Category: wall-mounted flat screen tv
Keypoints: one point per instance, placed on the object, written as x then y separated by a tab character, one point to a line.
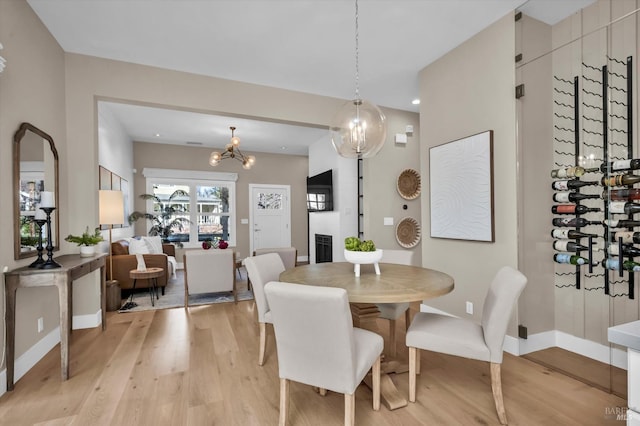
320	192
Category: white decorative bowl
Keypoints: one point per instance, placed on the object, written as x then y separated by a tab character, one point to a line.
363	258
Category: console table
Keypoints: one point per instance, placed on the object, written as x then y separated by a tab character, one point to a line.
72	267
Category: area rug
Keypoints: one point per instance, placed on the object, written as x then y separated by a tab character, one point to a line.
174	296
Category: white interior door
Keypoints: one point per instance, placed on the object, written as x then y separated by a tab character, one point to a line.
270	216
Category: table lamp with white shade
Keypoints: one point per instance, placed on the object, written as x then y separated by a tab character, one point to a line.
111	213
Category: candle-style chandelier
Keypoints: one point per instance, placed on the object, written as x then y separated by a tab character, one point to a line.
232	150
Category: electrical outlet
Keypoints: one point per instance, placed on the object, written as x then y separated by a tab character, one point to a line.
470	308
40	325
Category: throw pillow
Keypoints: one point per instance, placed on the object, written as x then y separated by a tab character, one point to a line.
138	247
154	244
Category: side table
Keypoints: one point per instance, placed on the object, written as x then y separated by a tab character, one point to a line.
150	274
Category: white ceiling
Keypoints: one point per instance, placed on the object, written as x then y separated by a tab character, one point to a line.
302	45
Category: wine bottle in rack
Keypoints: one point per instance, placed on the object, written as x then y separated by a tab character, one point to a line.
628	237
574	222
614	264
570	233
570	259
572	197
624	207
620	180
565	185
615	166
569	172
614	250
621	194
573	209
567	245
614	223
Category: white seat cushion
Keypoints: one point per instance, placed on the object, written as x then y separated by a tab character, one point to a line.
449	335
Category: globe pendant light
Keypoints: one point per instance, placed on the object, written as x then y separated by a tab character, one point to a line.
359	128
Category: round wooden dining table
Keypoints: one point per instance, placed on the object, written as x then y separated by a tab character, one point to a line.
395	284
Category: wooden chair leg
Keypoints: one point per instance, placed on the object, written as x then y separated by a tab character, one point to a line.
417	361
375	379
412	374
235	291
284	402
407	319
392	338
349	409
263	343
496	387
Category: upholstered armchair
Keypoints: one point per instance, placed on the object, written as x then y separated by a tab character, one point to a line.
209	271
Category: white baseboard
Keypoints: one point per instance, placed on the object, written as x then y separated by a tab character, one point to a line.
30	358
432	310
87	321
33	355
3	382
536	342
554	338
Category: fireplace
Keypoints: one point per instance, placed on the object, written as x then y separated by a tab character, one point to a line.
324	248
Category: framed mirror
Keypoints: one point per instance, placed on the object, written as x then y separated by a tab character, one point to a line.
35	170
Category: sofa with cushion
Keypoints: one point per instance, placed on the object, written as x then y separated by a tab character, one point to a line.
155	255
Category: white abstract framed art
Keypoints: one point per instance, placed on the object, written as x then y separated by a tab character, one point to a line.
461	188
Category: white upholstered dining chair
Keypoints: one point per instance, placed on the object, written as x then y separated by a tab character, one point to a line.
287	254
209	271
465	338
260	270
392	311
318	345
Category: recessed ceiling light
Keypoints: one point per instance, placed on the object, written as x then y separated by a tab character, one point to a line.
416	101
157	135
283	148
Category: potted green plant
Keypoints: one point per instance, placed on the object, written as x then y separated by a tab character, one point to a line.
87	241
165	217
361	253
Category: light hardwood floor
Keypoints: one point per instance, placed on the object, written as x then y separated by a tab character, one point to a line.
200	367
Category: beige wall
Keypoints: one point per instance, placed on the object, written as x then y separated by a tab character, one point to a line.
268	170
468	91
381	196
32	89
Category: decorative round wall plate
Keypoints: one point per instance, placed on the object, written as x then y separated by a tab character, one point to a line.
408	232
409	184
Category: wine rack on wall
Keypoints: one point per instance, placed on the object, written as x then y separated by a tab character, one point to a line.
594	180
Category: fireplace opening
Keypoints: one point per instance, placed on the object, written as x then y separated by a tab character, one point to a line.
324	248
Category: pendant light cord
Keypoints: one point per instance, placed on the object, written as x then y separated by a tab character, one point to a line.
357	57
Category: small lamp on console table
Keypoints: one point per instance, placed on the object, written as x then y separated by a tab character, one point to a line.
111	213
